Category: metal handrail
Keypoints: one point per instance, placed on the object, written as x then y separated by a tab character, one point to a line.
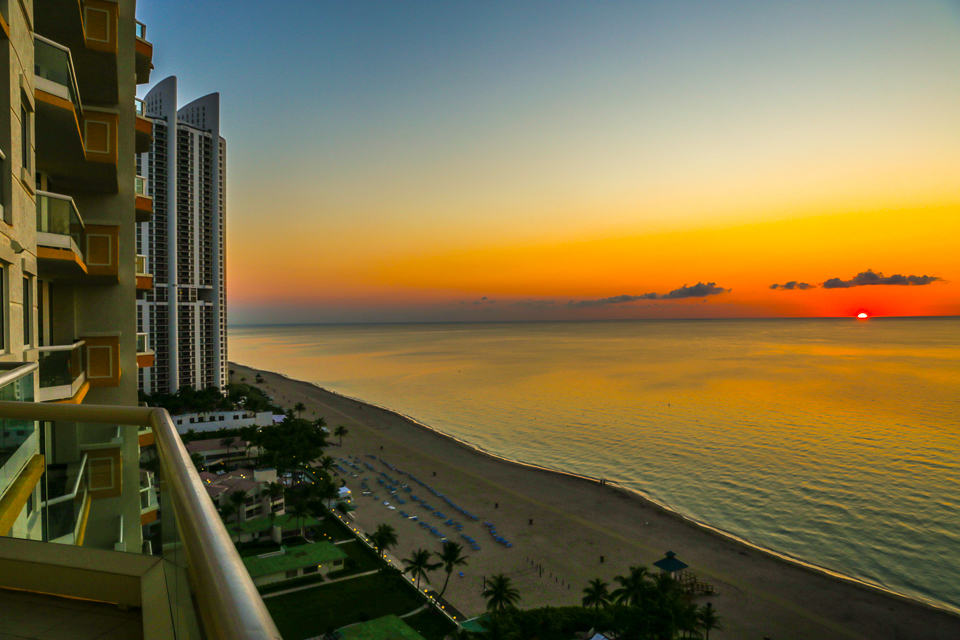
227	599
62	347
76	486
16	373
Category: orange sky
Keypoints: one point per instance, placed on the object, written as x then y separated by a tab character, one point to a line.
656	149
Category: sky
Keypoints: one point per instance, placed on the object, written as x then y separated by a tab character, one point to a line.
475	161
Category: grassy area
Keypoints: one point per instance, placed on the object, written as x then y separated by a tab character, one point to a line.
431	624
312	612
332	527
247	549
289	584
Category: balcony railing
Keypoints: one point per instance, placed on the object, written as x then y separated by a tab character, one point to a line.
143	343
64	511
138	107
141	30
53	68
141	265
204	583
63	371
59	223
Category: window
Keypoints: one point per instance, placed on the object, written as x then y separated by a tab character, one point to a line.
293	574
3	307
3	189
27	311
25	135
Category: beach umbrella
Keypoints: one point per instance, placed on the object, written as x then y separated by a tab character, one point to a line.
670	563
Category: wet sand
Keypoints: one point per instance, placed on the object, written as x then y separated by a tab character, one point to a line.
576	522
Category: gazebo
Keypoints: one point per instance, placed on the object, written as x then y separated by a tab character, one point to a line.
670	563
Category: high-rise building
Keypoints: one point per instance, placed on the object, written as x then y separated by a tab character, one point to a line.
79	510
183	244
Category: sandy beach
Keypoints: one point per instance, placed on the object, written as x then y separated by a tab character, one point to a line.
567	530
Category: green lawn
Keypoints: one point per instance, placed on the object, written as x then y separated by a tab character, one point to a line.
312	612
431	624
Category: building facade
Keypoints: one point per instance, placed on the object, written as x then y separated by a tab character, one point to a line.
184	314
69	134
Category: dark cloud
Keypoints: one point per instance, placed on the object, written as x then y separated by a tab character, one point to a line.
613	300
793	284
698	290
869	277
484	300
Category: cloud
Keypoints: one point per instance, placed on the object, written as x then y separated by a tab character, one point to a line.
698	290
612	300
793	284
484	300
869	277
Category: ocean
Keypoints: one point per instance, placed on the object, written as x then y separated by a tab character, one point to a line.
833	441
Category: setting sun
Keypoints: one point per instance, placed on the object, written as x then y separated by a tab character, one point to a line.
863	315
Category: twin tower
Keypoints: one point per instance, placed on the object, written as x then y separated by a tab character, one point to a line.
184	315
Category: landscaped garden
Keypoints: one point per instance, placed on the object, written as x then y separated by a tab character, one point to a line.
317	610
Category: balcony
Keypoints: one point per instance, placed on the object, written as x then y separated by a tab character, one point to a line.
21	464
63	373
145	354
143	127
89	29
60	236
144	51
144	279
196	586
59	110
144	201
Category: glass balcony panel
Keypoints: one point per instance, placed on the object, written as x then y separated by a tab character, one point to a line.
141	30
19	439
138	106
140	186
53	64
143	343
61	366
58	215
141	264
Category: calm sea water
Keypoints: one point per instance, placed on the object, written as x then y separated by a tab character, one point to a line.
834	441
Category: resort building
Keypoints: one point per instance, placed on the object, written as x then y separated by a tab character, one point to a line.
214	420
184	314
254	484
75	504
216	452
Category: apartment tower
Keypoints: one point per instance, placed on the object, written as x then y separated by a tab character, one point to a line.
183	244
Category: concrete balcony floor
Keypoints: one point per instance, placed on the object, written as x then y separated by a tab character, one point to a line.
39	617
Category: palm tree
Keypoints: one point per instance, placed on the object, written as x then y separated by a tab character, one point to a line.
596	594
708	619
299	408
226	512
237	498
300	510
383	538
500	593
633	588
328	492
419	564
197	461
451	556
340	431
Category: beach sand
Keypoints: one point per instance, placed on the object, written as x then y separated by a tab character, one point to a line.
575	521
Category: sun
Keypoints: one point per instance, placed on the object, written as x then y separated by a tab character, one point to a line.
862	315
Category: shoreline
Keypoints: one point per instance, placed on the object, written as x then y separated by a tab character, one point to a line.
741	545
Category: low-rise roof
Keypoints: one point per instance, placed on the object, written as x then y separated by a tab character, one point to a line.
236	480
285	521
386	628
306	555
